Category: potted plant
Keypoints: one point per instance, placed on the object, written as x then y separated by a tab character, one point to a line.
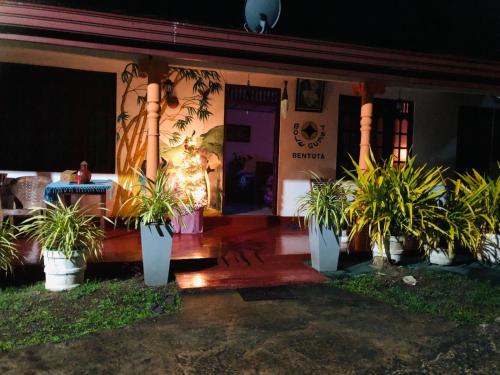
488	217
389	200
67	235
323	209
452	224
8	251
153	206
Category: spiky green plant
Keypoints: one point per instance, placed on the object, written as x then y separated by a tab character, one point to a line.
456	222
488	218
326	203
392	201
69	229
8	251
156	202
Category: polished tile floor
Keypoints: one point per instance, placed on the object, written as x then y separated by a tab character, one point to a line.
247	251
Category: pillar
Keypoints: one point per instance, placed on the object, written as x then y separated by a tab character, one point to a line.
153	146
366	90
154	70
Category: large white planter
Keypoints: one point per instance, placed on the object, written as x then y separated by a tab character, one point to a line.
156	243
440	257
395	249
61	273
490	249
325	248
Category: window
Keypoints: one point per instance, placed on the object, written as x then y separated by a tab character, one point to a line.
391	134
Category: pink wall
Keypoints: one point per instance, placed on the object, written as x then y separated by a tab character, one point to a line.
261	142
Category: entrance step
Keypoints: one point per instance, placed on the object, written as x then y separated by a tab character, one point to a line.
270	272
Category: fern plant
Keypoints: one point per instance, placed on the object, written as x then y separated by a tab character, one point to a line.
155	202
325	203
393	201
65	228
8	251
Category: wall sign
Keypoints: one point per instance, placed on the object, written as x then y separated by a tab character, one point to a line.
308	136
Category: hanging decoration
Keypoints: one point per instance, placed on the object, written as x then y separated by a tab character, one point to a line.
284	101
171	99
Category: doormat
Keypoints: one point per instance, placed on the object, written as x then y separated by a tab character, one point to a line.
266	294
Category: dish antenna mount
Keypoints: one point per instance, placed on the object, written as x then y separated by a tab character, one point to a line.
261	15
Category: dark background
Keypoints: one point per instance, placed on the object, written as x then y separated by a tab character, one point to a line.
52	118
457	27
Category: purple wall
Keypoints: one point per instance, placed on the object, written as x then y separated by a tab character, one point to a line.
261	140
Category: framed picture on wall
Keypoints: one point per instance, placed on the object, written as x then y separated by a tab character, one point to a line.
238	133
309	95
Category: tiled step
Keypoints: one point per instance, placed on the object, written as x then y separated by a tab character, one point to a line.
222	277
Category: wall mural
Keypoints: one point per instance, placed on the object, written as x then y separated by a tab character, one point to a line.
178	117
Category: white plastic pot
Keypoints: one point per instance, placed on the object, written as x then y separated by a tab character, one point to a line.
490	249
440	257
61	273
156	241
324	245
395	249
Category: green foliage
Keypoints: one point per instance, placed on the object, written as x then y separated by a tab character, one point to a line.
32	315
155	202
8	251
392	201
326	203
488	218
435	293
455	223
68	229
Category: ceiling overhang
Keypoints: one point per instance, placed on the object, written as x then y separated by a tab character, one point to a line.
118	33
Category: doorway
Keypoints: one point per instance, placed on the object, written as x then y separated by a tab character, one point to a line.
478	140
251	132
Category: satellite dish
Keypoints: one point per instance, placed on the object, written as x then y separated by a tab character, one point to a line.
261	15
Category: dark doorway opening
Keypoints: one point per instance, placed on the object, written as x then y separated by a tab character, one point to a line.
478	140
391	134
251	131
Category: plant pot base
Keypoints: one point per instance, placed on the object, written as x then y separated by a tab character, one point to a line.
61	273
395	250
440	257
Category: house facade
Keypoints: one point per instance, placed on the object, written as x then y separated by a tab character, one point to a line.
440	108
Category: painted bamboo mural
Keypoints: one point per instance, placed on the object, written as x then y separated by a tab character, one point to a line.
179	113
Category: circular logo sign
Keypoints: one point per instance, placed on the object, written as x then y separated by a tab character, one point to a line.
309	131
309	134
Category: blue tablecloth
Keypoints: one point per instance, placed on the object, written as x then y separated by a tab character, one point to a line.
93	187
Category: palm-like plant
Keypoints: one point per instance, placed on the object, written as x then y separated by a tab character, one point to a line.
488	215
455	223
325	203
392	201
8	251
67	229
155	202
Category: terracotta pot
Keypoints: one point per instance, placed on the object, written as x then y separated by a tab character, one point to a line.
83	175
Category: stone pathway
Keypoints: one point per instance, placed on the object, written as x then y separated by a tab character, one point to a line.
323	331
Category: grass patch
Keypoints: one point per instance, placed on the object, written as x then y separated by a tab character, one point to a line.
32	315
451	296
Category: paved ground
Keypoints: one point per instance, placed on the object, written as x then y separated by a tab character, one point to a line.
323	331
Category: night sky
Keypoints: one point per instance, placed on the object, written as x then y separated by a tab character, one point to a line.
458	27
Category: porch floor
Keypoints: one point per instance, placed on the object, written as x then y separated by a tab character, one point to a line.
242	251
